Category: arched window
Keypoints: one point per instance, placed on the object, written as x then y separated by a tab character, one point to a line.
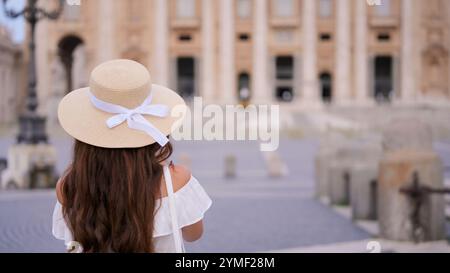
66	48
186	76
244	86
284	85
326	87
384	78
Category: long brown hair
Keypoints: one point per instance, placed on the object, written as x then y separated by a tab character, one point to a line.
109	196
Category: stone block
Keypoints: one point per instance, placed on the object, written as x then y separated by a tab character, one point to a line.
322	165
363	191
407	134
341	168
339	183
30	166
395	208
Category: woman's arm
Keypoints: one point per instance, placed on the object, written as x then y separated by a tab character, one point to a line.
60	184
59	195
181	176
193	232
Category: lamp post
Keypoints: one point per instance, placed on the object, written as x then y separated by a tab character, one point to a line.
32	126
31	161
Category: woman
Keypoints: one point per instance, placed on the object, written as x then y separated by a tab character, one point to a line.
119	194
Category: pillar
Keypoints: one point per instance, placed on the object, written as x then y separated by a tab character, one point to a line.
343	86
407	92
208	63
309	70
261	91
106	32
361	60
227	80
160	68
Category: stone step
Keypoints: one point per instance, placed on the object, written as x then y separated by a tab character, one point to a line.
447	182
447	199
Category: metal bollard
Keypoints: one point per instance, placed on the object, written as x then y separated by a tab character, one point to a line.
418	194
230	166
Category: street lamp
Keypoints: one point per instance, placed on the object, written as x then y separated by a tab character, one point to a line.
31	162
32	126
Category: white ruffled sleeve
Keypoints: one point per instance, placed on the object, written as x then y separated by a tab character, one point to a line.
59	228
191	203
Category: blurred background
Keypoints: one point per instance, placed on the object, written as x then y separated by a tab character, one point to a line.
364	95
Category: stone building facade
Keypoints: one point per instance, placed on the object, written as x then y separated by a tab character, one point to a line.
10	71
296	52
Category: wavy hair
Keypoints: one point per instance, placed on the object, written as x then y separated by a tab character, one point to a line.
109	196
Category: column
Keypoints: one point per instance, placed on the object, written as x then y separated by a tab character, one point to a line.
227	69
361	60
44	85
343	91
407	92
5	93
261	91
8	91
309	70
208	64
106	32
160	67
448	59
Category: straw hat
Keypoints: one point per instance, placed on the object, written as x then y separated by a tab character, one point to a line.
121	108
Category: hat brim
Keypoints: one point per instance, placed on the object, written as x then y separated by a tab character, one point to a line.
81	120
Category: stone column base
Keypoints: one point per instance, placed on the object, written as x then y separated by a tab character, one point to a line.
30	166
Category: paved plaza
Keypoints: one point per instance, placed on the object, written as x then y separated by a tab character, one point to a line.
250	213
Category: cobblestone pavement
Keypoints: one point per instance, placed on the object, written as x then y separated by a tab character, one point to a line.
250	213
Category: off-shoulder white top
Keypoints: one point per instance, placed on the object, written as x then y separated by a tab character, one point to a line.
177	210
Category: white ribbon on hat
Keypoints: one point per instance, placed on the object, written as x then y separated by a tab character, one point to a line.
134	117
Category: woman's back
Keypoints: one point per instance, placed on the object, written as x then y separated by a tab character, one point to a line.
189	200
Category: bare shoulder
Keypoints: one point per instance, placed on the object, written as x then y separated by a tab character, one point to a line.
60	185
180	176
59	189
